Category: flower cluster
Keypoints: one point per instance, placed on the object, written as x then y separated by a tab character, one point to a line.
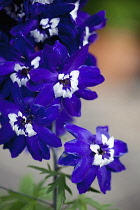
45	70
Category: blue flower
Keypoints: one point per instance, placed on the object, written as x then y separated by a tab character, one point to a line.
92	156
25	124
66	78
16	64
47	23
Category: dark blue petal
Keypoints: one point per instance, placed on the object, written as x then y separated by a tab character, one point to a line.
104	178
34	148
96	21
116	166
81	169
45	96
91	60
86	94
54	56
43	75
23	46
6	67
77	59
61	121
80	133
68	160
89	76
120	148
6	132
86	183
17	96
47	136
44	150
72	106
17	145
35	87
25	28
76	147
7	107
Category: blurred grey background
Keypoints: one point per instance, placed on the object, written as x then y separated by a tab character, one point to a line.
118	105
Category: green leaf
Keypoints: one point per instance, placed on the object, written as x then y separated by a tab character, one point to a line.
27	185
16	205
94	190
44	170
29	206
95	204
61	192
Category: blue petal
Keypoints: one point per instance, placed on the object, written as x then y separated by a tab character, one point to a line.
6	133
80	133
17	96
86	94
61	121
99	131
76	60
6	67
77	147
54	56
46	117
81	169
47	136
86	183
104	178
43	75
89	76
120	148
35	87
72	106
45	96
7	107
116	166
96	21
44	150
17	145
68	160
34	148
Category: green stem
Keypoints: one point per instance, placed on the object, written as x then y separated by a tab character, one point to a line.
54	178
28	196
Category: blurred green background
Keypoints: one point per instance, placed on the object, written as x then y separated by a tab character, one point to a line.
120	13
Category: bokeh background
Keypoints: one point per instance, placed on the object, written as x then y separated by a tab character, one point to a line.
118	105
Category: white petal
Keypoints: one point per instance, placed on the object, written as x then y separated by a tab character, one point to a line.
97	159
104	139
74	11
94	147
54	22
19	114
53	31
12	117
29	130
111	142
35	62
44	22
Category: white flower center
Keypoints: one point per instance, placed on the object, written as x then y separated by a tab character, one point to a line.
51	25
66	85
21	74
38	36
16	78
103	155
42	1
26	130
